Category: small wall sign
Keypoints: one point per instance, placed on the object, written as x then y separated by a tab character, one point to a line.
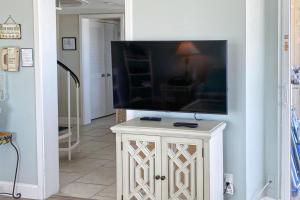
27	57
10	29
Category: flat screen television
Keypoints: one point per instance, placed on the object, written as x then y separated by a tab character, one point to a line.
176	76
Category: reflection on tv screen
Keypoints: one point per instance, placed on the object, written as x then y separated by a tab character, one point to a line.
179	76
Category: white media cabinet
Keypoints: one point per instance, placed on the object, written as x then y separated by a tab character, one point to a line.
157	161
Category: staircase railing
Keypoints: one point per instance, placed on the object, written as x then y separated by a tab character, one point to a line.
68	133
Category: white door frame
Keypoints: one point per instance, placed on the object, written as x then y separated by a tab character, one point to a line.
128	20
46	97
84	68
285	104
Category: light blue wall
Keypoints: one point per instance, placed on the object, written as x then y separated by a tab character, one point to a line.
197	20
19	111
255	62
250	138
271	97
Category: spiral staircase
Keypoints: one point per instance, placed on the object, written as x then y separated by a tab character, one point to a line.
67	141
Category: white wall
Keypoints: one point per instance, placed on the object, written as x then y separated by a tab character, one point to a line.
19	111
68	26
197	20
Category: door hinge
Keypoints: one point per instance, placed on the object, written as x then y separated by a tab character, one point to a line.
122	197
202	152
121	146
286	43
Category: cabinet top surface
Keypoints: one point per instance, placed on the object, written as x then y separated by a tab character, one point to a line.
205	127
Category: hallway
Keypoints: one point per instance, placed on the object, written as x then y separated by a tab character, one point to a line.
91	174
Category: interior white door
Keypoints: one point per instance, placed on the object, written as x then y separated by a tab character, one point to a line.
141	167
182	169
97	70
110	35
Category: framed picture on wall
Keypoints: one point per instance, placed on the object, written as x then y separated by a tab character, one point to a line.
69	44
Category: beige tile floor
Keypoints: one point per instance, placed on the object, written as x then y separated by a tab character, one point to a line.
91	174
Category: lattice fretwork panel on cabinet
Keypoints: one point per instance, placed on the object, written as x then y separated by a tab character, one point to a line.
182	163
141	164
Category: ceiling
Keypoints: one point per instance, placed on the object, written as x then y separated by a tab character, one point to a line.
93	6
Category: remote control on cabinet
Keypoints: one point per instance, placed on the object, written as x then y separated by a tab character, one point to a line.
156	119
185	124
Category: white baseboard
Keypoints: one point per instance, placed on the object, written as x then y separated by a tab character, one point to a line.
64	120
267	198
27	190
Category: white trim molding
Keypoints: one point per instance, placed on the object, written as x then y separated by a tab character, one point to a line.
285	105
27	190
128	19
46	98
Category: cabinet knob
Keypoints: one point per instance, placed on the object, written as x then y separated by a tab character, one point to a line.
163	178
157	177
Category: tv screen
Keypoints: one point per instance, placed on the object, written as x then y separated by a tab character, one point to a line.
178	76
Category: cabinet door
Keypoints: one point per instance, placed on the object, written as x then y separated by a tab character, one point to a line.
182	166
141	164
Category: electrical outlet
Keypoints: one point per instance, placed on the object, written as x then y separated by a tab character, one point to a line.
228	184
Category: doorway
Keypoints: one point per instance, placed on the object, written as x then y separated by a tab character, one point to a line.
97	31
46	92
290	106
294	65
91	172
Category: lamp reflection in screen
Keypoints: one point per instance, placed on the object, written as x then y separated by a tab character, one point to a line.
186	50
